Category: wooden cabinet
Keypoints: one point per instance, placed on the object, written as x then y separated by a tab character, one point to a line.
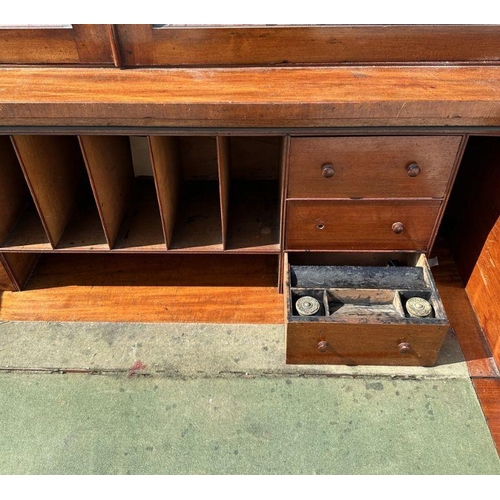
276	148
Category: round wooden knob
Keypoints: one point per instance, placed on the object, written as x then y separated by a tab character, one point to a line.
327	171
322	346
398	227
404	348
412	169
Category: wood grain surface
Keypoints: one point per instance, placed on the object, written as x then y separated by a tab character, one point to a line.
483	289
74	44
252	97
254	211
198	226
359	225
472	223
19	266
28	234
461	314
173	288
109	165
371	167
14	192
488	392
145	45
350	344
224	183
5	279
53	168
167	168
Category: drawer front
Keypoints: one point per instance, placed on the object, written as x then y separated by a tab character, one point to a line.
360	225
314	343
371	167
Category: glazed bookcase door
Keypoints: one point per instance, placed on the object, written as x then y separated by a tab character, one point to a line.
55	44
260	45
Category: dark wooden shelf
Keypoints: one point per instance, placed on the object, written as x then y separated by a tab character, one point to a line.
198	224
254	216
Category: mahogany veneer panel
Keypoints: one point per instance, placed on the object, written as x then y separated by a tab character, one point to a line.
84	232
255	157
198	226
5	280
224	183
364	344
359	225
371	167
254	216
141	229
198	157
166	163
19	266
145	45
335	96
488	392
172	288
75	44
53	168
461	314
472	222
28	234
14	192
109	164
483	289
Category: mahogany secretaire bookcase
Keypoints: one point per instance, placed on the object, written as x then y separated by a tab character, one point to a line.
338	151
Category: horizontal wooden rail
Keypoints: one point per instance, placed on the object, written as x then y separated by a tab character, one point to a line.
252	97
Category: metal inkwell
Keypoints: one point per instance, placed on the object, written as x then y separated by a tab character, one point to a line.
308	306
417	307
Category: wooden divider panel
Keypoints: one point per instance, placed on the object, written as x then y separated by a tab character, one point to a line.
13	190
224	182
52	166
109	165
6	283
167	169
18	266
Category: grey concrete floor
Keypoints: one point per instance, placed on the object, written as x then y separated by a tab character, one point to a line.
218	399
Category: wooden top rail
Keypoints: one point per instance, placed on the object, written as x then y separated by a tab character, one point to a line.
252	97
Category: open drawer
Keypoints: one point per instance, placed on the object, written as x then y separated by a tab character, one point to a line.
362	313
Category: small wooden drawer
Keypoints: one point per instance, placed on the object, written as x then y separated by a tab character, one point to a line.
363	317
360	225
371	167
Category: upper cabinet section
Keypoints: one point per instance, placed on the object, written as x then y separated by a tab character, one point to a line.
208	45
167	45
88	44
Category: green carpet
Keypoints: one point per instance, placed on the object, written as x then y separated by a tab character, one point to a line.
82	424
